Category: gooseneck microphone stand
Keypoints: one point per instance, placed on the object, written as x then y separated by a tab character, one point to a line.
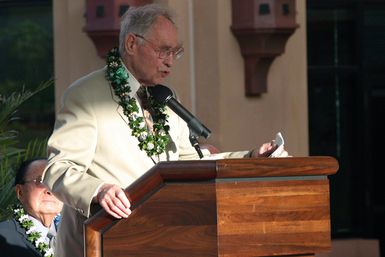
194	142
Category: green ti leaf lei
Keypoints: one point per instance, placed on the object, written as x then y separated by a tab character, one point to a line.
33	235
153	143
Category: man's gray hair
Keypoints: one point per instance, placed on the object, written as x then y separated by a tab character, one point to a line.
138	20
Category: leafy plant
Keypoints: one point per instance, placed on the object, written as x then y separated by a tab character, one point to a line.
10	154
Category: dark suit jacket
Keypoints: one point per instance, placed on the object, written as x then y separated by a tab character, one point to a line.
13	241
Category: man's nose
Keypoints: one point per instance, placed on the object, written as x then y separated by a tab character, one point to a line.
169	60
46	189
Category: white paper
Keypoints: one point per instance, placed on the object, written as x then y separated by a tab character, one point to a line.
279	142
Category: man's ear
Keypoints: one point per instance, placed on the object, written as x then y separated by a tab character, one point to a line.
130	44
19	192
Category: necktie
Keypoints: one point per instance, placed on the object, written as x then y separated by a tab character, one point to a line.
51	235
52	240
146	106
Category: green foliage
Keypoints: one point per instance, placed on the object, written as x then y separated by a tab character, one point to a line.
26	47
10	154
28	55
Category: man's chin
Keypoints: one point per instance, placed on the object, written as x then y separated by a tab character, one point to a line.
51	206
153	83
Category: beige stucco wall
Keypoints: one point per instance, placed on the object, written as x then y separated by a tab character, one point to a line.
209	78
75	54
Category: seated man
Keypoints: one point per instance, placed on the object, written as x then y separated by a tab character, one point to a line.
32	231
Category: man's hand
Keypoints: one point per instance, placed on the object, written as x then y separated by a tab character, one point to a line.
114	201
267	149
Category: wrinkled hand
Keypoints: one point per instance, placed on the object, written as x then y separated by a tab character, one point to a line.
114	201
267	149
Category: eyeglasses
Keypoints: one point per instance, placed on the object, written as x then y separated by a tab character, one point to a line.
176	53
37	181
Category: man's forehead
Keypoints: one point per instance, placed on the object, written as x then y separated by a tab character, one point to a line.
162	27
36	169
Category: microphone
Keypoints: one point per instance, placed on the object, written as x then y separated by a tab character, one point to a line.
164	95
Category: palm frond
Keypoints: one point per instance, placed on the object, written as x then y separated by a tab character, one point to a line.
36	148
10	155
9	104
7	198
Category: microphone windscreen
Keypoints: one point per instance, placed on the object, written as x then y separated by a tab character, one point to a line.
160	93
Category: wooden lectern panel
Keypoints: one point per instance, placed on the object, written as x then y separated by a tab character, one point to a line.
179	220
270	218
236	207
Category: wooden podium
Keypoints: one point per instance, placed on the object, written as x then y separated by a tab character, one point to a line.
228	208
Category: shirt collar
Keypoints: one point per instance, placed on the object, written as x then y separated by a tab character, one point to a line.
132	81
41	228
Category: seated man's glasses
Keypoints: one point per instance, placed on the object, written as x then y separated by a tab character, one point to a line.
37	181
176	53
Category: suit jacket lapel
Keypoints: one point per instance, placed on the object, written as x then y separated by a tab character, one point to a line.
23	235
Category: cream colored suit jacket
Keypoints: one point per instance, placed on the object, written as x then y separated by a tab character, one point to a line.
91	145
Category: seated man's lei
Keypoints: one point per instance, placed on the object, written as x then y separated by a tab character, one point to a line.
33	235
